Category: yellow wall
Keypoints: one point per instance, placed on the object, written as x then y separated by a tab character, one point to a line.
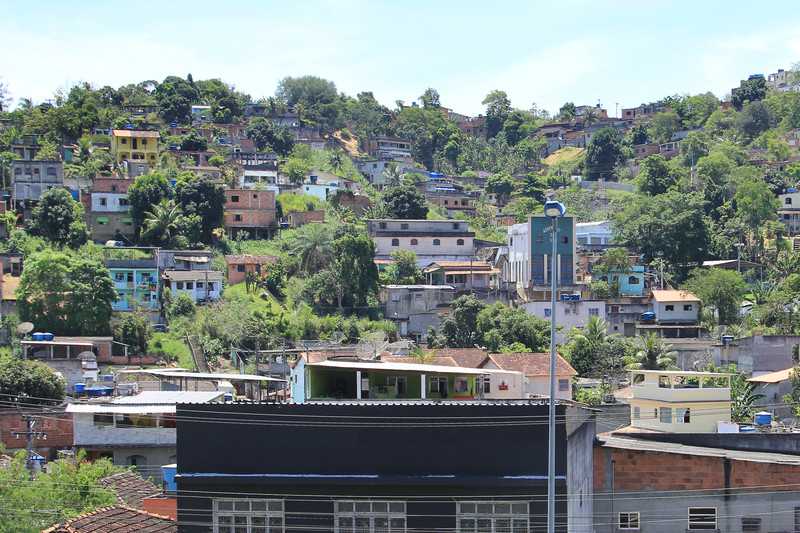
146	150
703	415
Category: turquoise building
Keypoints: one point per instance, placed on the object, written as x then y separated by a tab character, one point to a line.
137	284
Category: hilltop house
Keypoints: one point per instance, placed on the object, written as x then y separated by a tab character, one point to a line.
31	179
679	401
135	146
251	211
108	215
431	240
675	315
239	265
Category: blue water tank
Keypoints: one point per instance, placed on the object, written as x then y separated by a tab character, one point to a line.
228	397
80	388
791	189
747	429
48	336
37	336
649	315
75	194
763	418
168	473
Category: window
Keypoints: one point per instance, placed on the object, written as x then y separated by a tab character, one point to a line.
403	226
594	311
400	383
237	218
509	517
750	524
51	172
456	225
255	197
637	413
248	515
370	517
669	308
395	242
460	242
547	312
615	309
414	242
103	201
119	276
179	285
461	385
123	202
563	385
633	280
235	198
564	240
144	142
438	384
687	307
130	277
200	285
189	285
628	521
136	460
123	141
445	202
683	416
437	242
665	417
702	518
239	268
485	384
382	225
103	420
788	201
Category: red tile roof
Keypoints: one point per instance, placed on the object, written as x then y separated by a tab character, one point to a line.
464	357
118	519
441	361
250	259
130	487
531	364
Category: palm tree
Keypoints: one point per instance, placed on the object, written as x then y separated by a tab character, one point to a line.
743	399
596	330
589	117
312	245
393	176
653	354
161	222
336	160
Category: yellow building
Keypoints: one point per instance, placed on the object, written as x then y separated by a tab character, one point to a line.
679	402
135	146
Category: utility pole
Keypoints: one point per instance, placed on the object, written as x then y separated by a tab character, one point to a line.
30	435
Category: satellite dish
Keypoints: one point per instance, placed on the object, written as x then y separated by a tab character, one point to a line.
24	328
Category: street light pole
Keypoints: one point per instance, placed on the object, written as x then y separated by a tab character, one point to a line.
554	210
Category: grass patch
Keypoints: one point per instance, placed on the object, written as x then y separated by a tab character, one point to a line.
254	301
568	154
171	348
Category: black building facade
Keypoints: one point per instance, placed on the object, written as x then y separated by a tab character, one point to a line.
377	467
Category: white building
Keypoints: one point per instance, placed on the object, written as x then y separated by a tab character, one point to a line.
593	235
259	178
110	202
679	402
199	285
135	430
572	314
535	367
789	211
675	306
431	240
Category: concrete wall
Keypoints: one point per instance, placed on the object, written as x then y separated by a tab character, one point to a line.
684	481
150	466
759	354
87	434
114	202
678	313
212	291
568	314
580	473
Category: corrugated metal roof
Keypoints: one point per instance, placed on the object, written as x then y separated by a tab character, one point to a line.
406	367
205	375
773	377
169	397
193	275
629	443
119	409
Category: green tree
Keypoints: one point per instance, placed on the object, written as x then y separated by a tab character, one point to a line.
655	175
175	97
194	142
669	226
134	330
694	146
500	326
743	399
753	120
296	169
501	185
59	219
603	154
162	222
459	329
405	202
567	111
750	90
595	353
719	288
312	244
182	306
265	134
66	294
652	354
755	203
498	107
698	108
430	98
30	381
204	197
145	192
404	269
315	99
663	125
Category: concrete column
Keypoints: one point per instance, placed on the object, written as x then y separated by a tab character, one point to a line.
423	388
358	384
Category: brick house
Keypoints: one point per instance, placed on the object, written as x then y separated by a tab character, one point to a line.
301	218
707	483
239	265
251	211
57	425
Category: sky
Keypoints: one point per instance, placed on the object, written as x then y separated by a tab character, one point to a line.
620	53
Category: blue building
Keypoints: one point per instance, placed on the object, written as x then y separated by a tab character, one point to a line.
630	283
137	284
530	248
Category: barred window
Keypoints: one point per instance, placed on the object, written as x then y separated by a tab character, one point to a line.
354	516
510	517
248	515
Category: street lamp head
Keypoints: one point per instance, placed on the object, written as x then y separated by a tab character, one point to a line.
554	209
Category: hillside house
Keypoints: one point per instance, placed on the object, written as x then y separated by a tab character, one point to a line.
200	285
137	283
108	215
135	146
431	240
415	308
529	251
676	314
462	275
535	367
789	211
31	179
239	265
251	211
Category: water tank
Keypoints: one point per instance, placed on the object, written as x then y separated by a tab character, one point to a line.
168	473
763	418
747	429
649	315
48	336
727	339
80	388
37	336
791	189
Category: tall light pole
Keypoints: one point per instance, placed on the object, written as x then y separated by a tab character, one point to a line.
554	210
